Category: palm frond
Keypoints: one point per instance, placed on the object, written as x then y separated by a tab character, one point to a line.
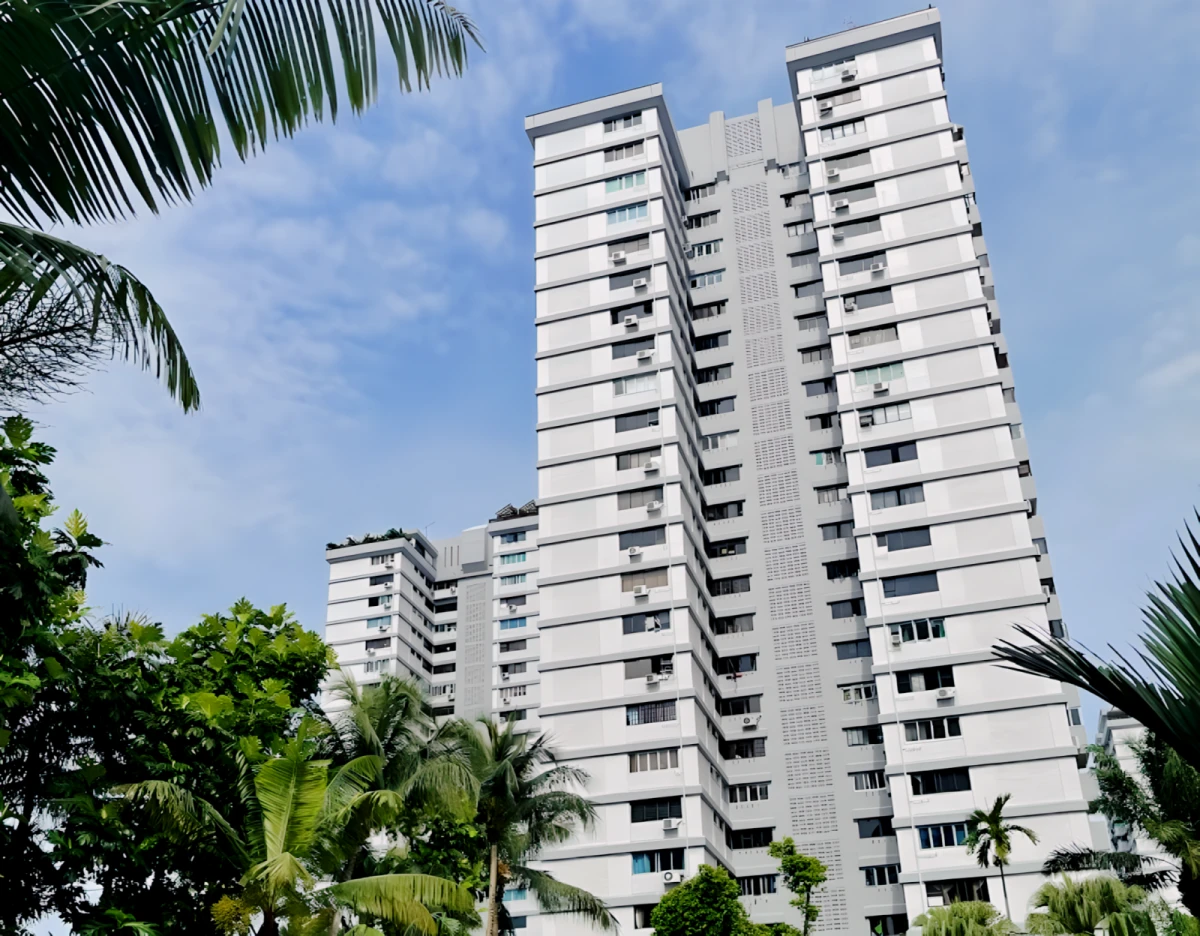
291	792
1126	865
124	315
404	899
182	816
554	896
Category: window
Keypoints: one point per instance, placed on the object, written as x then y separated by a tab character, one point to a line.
731	665
655	578
828	457
957	890
831	495
744	749
724	548
641	916
715	407
1058	630
841	131
642	420
928	782
512	623
812	323
729	586
385	558
639	459
627	181
869	780
873	336
379	643
1040	543
713	374
757	885
628	122
697	192
641	383
666	859
812	355
920	629
703	249
655	810
627	500
861	264
701	280
384	621
518	922
725	511
708	219
710	476
796	228
841	569
851	607
444	668
749	838
875	828
890	454
709	342
382	579
932	729
513	579
375	666
513	669
903	539
649	712
512	558
857	229
627	213
819	387
897	497
920	680
853	649
879	875
645	623
882	415
857	737
641	761
641	309
518	537
894	924
655	536
629	245
628	279
881	374
898	586
736	624
719	440
740	705
858	692
831	71
709	310
942	836
867	300
849	161
836	531
379	601
629	150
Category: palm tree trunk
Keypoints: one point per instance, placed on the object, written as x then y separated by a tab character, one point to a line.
1004	887
269	926
493	924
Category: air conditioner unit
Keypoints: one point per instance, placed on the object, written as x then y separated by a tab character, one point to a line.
646	354
617	256
634	550
504	700
630	321
839	235
450	697
750	722
897	640
832	172
946	693
506	676
389	563
671	876
849	73
654	506
849	303
454	589
370	651
652	678
671	824
825	106
640	591
866	420
840	203
881	388
652	465
511	607
878	267
641	283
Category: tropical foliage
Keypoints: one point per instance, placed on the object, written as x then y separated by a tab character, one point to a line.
1083	906
964	918
801	874
990	839
708	903
1163	692
116	106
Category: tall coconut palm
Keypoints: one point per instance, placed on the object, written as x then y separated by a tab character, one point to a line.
989	837
109	107
296	822
1080	908
1164	692
527	801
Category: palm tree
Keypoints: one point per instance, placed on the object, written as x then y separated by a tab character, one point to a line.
990	837
295	831
526	803
1079	908
964	918
110	107
1167	700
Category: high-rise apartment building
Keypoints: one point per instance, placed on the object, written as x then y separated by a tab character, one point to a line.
786	507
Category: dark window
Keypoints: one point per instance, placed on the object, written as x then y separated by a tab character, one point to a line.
711	374
708	342
851	607
643	667
518	537
742	705
920	680
900	585
927	782
627	122
853	649
841	569
868	300
641	623
723	511
757	885
890	454
625	280
379	643
1058	630
715	407
819	387
720	475
897	497
640	309
876	827
958	890
512	646
836	531
894	924
444	668
624	349
666	859
931	729
739	750
642	420
627	500
518	922
903	539
742	663
878	875
654	810
748	838
862	264
649	712
729	586
723	548
859	737
641	916
655	536
709	310
733	625
821	421
382	579
636	459
379	601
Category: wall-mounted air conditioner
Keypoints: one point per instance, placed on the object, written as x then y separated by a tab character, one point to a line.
839	235
880	388
630	321
825	106
849	303
654	506
849	73
652	465
634	551
389	563
641	283
839	203
506	676
617	256
878	267
832	172
652	678
672	877
946	692
504	700
866	420
671	825
388	586
646	354
897	640
370	651
640	591
750	722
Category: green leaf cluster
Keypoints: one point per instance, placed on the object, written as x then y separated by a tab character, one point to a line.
801	874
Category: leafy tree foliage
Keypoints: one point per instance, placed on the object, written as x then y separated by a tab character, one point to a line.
707	902
801	874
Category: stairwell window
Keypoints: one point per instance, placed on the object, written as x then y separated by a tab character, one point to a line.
873	336
899	586
703	280
704	249
897	497
627	181
628	213
627	122
841	131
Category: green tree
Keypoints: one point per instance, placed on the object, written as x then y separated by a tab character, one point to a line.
989	837
111	107
527	803
801	875
964	918
1081	907
1165	807
295	819
708	902
1163	694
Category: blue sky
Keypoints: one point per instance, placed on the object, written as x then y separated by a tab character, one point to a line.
358	302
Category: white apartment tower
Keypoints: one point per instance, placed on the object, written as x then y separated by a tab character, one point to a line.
785	503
